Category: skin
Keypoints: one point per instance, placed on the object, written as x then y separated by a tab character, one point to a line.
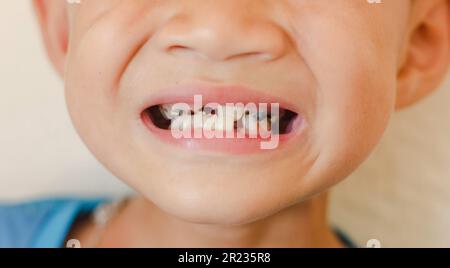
347	65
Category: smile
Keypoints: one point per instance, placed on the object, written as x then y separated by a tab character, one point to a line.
230	120
220	124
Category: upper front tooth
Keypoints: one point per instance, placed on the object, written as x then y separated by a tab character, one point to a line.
250	126
261	115
181	123
226	117
224	122
168	111
237	112
209	121
207	110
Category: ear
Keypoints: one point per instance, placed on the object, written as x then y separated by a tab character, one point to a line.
427	55
53	21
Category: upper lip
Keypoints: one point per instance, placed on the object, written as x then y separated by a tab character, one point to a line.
221	94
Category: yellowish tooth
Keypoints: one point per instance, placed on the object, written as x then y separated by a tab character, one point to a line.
274	119
187	122
274	122
234	113
220	123
183	122
249	126
172	111
166	111
209	122
225	119
197	120
238	112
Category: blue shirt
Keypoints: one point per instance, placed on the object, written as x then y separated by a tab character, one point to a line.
41	224
46	223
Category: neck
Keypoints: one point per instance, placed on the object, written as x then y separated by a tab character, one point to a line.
142	224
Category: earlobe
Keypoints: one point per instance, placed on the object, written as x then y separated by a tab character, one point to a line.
53	21
427	53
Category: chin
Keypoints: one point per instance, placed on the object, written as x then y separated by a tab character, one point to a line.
229	207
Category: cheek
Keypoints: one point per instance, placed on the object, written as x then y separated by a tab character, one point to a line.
356	80
95	63
355	105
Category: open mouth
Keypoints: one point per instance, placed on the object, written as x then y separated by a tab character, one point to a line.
228	119
244	119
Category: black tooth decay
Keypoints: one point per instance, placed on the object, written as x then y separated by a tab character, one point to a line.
155	115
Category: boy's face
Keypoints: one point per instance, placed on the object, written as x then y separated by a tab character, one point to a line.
335	64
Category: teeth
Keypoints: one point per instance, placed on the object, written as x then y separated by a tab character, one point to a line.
209	111
170	112
249	126
182	122
209	121
224	124
274	121
237	112
259	116
223	118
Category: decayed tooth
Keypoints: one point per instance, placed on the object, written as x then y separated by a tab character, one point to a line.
269	126
248	125
209	121
274	121
209	117
264	125
197	121
172	111
207	110
261	115
221	118
235	112
165	111
225	119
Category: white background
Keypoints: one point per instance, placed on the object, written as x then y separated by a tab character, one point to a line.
401	196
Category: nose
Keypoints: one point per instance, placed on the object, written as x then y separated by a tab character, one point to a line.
217	34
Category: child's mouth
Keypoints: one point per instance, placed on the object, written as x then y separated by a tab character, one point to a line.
245	121
228	119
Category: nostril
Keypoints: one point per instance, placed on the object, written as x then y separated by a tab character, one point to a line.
218	39
177	48
252	55
184	51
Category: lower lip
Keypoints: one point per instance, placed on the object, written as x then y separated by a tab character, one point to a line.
222	145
